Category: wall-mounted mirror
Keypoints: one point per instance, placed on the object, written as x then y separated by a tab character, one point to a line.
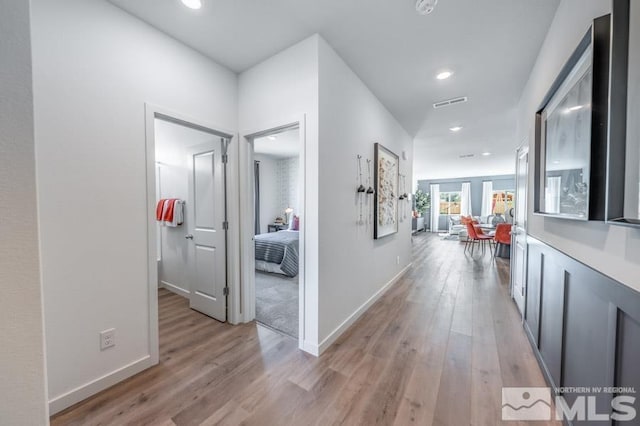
623	183
571	132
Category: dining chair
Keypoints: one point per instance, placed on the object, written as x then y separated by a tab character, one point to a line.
475	237
502	236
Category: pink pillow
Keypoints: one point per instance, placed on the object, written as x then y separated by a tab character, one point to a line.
296	223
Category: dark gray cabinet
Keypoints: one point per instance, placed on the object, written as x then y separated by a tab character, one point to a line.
583	325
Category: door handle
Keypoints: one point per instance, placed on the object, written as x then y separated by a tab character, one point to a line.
189	236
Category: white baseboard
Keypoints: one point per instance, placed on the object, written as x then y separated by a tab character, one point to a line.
175	289
333	336
83	392
310	348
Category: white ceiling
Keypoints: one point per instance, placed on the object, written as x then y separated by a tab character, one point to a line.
491	46
285	144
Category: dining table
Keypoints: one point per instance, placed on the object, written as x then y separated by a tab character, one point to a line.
487	228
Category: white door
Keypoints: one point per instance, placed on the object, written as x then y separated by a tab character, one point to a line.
519	231
206	234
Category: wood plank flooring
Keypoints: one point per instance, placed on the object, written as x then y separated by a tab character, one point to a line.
434	350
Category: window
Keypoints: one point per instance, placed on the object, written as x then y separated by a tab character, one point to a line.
450	202
502	202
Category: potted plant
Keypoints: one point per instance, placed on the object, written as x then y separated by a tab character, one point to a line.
423	202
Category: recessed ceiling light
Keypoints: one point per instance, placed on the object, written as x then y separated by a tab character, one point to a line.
272	138
444	75
486	154
455	129
192	4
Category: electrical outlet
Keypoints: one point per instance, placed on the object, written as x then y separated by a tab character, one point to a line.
107	338
398	260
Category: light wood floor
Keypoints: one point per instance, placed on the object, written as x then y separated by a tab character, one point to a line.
435	349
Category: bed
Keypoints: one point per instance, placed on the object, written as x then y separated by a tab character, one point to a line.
277	252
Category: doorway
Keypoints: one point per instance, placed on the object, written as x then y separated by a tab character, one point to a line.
519	230
274	227
276	166
187	199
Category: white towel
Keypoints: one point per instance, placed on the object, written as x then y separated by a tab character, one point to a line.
178	214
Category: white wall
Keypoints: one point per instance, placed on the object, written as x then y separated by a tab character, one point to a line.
612	250
22	363
279	186
269	191
353	266
95	66
275	92
288	184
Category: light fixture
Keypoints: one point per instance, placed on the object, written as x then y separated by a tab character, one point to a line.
425	7
287	212
444	75
486	154
272	138
192	4
455	128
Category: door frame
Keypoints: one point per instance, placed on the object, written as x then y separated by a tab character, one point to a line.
523	149
153	112
247	218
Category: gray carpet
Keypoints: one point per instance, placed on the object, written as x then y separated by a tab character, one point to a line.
277	302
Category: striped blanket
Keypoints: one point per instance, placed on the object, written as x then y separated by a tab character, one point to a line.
281	248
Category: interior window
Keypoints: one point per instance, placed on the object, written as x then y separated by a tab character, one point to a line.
502	202
450	202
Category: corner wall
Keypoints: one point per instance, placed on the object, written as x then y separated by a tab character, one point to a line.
612	250
95	67
279	91
354	268
343	119
22	360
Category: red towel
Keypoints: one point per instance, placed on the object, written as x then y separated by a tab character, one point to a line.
160	209
169	209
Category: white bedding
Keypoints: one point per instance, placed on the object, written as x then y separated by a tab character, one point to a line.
264	266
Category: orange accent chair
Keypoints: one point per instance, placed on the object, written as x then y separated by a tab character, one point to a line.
467	219
502	235
476	237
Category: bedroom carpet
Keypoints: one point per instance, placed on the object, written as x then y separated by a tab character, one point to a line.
277	302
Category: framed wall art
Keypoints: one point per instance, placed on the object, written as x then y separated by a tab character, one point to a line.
386	173
572	131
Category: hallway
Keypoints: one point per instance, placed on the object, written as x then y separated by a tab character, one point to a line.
435	349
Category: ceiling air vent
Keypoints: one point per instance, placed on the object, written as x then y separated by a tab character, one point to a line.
450	102
467	156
